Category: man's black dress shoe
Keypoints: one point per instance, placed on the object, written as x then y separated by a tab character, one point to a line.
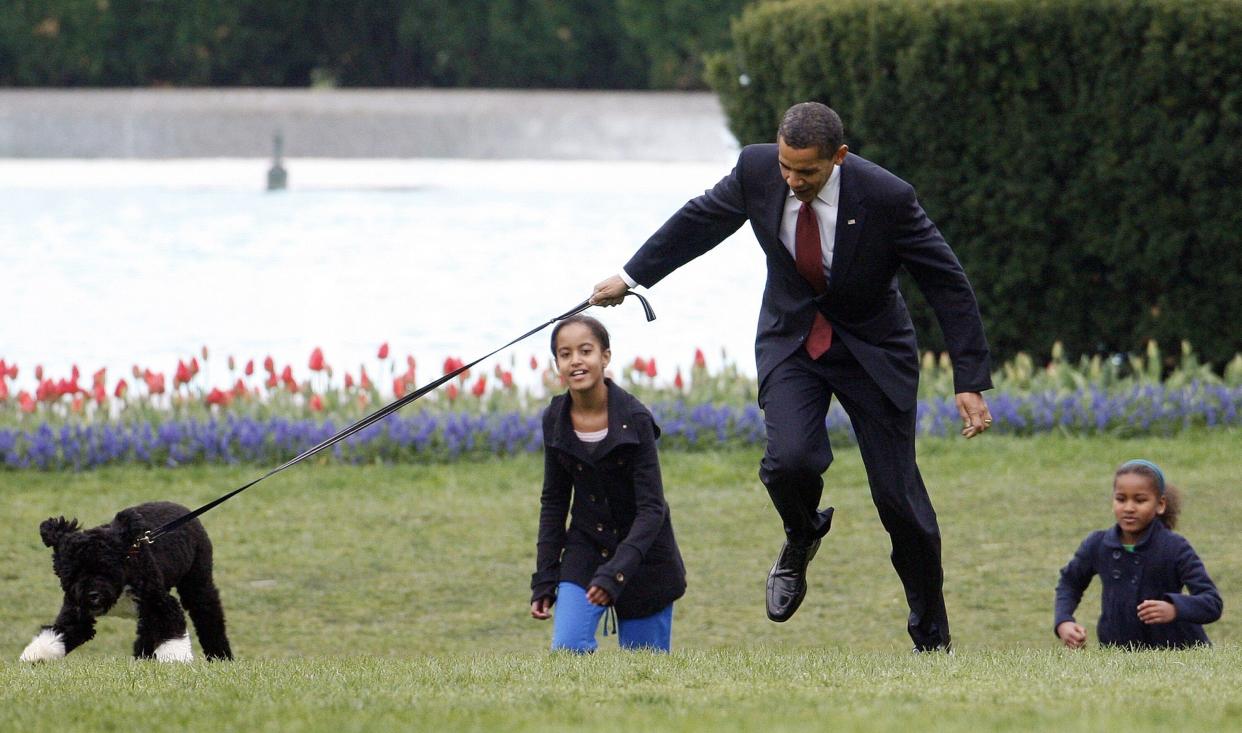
787	580
945	647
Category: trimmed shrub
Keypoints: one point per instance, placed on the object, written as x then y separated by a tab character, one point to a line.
1081	156
609	44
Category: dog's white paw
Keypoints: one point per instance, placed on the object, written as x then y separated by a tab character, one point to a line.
46	646
175	650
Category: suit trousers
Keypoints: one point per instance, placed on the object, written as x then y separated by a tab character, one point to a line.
795	399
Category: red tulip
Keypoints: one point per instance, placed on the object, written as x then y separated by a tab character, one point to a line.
12	371
121	389
700	362
99	377
183	375
409	361
677	381
269	365
363	380
506	378
232	363
452	392
136	372
349	381
193	365
534	363
383	350
204	352
4	368
292	386
155	382
100	393
651	368
316	403
398	387
480	386
271	381
4	391
249	367
639	364
316	360
38	372
26	402
218	397
286	376
239	389
75	373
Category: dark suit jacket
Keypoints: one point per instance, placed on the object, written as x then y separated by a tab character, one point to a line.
620	535
1162	563
880	227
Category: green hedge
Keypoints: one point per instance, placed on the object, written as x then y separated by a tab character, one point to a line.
613	44
1083	157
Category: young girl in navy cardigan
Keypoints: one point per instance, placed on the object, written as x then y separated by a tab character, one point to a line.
601	471
1143	566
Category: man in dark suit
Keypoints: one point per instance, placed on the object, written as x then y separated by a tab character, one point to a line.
835	229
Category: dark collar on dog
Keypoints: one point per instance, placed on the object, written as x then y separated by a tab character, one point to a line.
134	549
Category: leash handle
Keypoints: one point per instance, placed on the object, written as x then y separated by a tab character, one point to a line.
383	412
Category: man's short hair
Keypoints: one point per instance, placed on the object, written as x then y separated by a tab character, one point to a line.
811	124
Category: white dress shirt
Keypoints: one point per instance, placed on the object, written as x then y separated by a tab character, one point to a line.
825	208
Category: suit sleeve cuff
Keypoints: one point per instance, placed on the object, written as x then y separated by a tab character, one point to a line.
629	281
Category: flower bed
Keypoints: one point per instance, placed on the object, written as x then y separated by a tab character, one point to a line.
63	426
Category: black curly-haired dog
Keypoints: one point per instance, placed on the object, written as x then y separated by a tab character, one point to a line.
100	572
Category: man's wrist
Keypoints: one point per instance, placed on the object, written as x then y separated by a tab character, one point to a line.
629	281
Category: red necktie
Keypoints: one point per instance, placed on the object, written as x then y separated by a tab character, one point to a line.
809	259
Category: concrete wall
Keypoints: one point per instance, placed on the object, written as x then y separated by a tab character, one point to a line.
208	123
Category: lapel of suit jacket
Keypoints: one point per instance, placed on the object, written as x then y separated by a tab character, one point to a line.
850	217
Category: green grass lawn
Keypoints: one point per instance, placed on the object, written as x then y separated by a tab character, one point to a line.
396	596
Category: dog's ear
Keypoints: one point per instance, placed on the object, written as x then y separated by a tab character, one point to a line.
54	529
130	523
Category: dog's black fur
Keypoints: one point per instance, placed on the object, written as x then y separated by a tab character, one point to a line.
96	566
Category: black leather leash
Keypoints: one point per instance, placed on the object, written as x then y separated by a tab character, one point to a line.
152	535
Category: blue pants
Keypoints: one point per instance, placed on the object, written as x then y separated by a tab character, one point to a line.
575	619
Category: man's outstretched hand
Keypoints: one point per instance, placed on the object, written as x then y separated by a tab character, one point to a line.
975	415
609	292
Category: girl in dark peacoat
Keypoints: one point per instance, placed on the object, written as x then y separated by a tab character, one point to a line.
1143	566
602	472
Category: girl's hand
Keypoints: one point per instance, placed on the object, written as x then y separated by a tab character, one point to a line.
1157	612
599	596
541	609
1073	635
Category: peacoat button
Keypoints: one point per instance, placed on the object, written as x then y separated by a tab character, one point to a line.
1116	574
579	466
614	530
592	497
1136	561
1134	580
599	528
620	577
604	552
1116	553
623	426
